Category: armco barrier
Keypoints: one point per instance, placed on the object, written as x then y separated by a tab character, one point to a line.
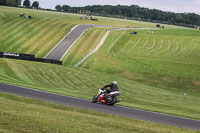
28	57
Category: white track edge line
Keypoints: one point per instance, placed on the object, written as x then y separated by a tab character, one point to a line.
62	40
73	44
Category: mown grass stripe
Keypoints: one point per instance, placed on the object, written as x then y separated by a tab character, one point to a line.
66	80
34	41
12	36
17	26
30	42
48	40
24	30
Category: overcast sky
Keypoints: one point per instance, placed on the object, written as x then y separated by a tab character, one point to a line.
187	6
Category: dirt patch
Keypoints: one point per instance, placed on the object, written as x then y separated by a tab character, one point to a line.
196	82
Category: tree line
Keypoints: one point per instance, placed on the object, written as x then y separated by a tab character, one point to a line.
10	2
17	3
134	11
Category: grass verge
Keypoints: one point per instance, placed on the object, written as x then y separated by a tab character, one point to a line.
20	114
84	83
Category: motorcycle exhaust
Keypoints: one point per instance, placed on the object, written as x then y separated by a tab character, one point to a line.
118	100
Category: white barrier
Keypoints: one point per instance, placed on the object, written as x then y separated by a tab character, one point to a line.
104	38
94	50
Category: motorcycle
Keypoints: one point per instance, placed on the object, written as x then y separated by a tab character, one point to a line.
110	100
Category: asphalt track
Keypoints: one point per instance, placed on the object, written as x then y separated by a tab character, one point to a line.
58	52
116	110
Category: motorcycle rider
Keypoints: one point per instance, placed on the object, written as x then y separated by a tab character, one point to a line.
113	87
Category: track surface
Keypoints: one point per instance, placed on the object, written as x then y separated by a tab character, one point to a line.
117	110
58	52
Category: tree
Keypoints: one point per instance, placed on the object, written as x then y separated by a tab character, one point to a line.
58	8
11	3
135	11
18	2
66	8
26	3
179	18
35	5
2	2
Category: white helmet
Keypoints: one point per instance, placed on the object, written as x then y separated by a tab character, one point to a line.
114	82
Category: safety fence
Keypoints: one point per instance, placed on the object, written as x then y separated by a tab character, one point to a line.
28	57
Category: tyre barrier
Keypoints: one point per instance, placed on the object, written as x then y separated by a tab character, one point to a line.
28	57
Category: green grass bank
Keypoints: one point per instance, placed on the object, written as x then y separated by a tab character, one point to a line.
20	114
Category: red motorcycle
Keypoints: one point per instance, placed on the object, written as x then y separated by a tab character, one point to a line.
110	100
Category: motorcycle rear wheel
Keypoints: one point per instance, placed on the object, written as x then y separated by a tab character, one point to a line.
111	100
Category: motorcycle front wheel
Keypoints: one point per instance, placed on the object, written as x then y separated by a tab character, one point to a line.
94	99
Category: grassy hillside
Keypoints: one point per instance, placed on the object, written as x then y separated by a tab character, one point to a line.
152	69
39	116
37	35
168	58
43	31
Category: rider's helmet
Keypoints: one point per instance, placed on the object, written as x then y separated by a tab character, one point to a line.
114	82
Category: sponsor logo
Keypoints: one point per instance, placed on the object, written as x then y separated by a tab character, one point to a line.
10	54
